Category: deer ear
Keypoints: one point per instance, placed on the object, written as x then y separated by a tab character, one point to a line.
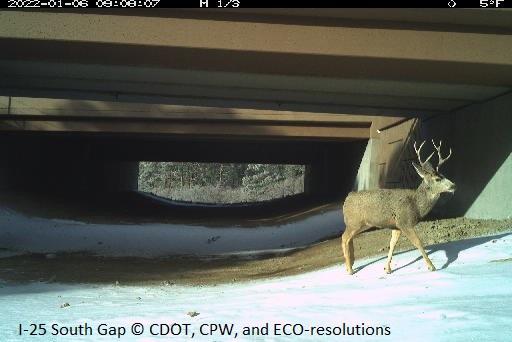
419	170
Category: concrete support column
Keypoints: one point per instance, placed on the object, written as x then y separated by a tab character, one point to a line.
368	174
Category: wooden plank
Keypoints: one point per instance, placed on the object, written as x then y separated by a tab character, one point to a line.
228	129
407	44
104	109
4	105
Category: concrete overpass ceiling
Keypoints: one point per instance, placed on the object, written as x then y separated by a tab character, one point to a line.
372	62
455	20
262	91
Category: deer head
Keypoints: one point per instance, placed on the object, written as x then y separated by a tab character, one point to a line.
434	180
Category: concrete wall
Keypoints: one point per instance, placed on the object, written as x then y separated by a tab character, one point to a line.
76	176
386	162
481	164
59	163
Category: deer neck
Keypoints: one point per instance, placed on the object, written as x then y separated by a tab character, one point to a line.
426	198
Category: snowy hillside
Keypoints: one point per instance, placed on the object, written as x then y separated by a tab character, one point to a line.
20	234
470	300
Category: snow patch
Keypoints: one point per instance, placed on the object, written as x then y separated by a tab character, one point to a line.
40	235
469	300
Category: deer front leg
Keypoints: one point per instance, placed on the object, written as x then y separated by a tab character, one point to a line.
413	237
395	235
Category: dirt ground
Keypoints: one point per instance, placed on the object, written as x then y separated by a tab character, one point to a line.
190	270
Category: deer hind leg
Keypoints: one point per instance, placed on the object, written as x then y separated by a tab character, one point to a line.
348	248
395	235
413	237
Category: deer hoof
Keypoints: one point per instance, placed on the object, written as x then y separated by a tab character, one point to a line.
431	268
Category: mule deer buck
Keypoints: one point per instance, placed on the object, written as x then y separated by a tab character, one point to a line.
396	209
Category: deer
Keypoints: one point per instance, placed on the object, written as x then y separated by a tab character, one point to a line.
397	209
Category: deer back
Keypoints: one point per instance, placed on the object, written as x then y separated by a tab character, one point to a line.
380	208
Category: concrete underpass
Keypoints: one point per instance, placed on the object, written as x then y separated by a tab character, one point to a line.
344	92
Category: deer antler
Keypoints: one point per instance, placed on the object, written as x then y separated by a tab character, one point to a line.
418	154
441	159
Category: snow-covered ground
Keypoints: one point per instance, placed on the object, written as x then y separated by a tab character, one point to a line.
21	234
470	300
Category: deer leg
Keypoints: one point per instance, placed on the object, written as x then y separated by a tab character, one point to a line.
413	237
395	235
351	251
348	249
